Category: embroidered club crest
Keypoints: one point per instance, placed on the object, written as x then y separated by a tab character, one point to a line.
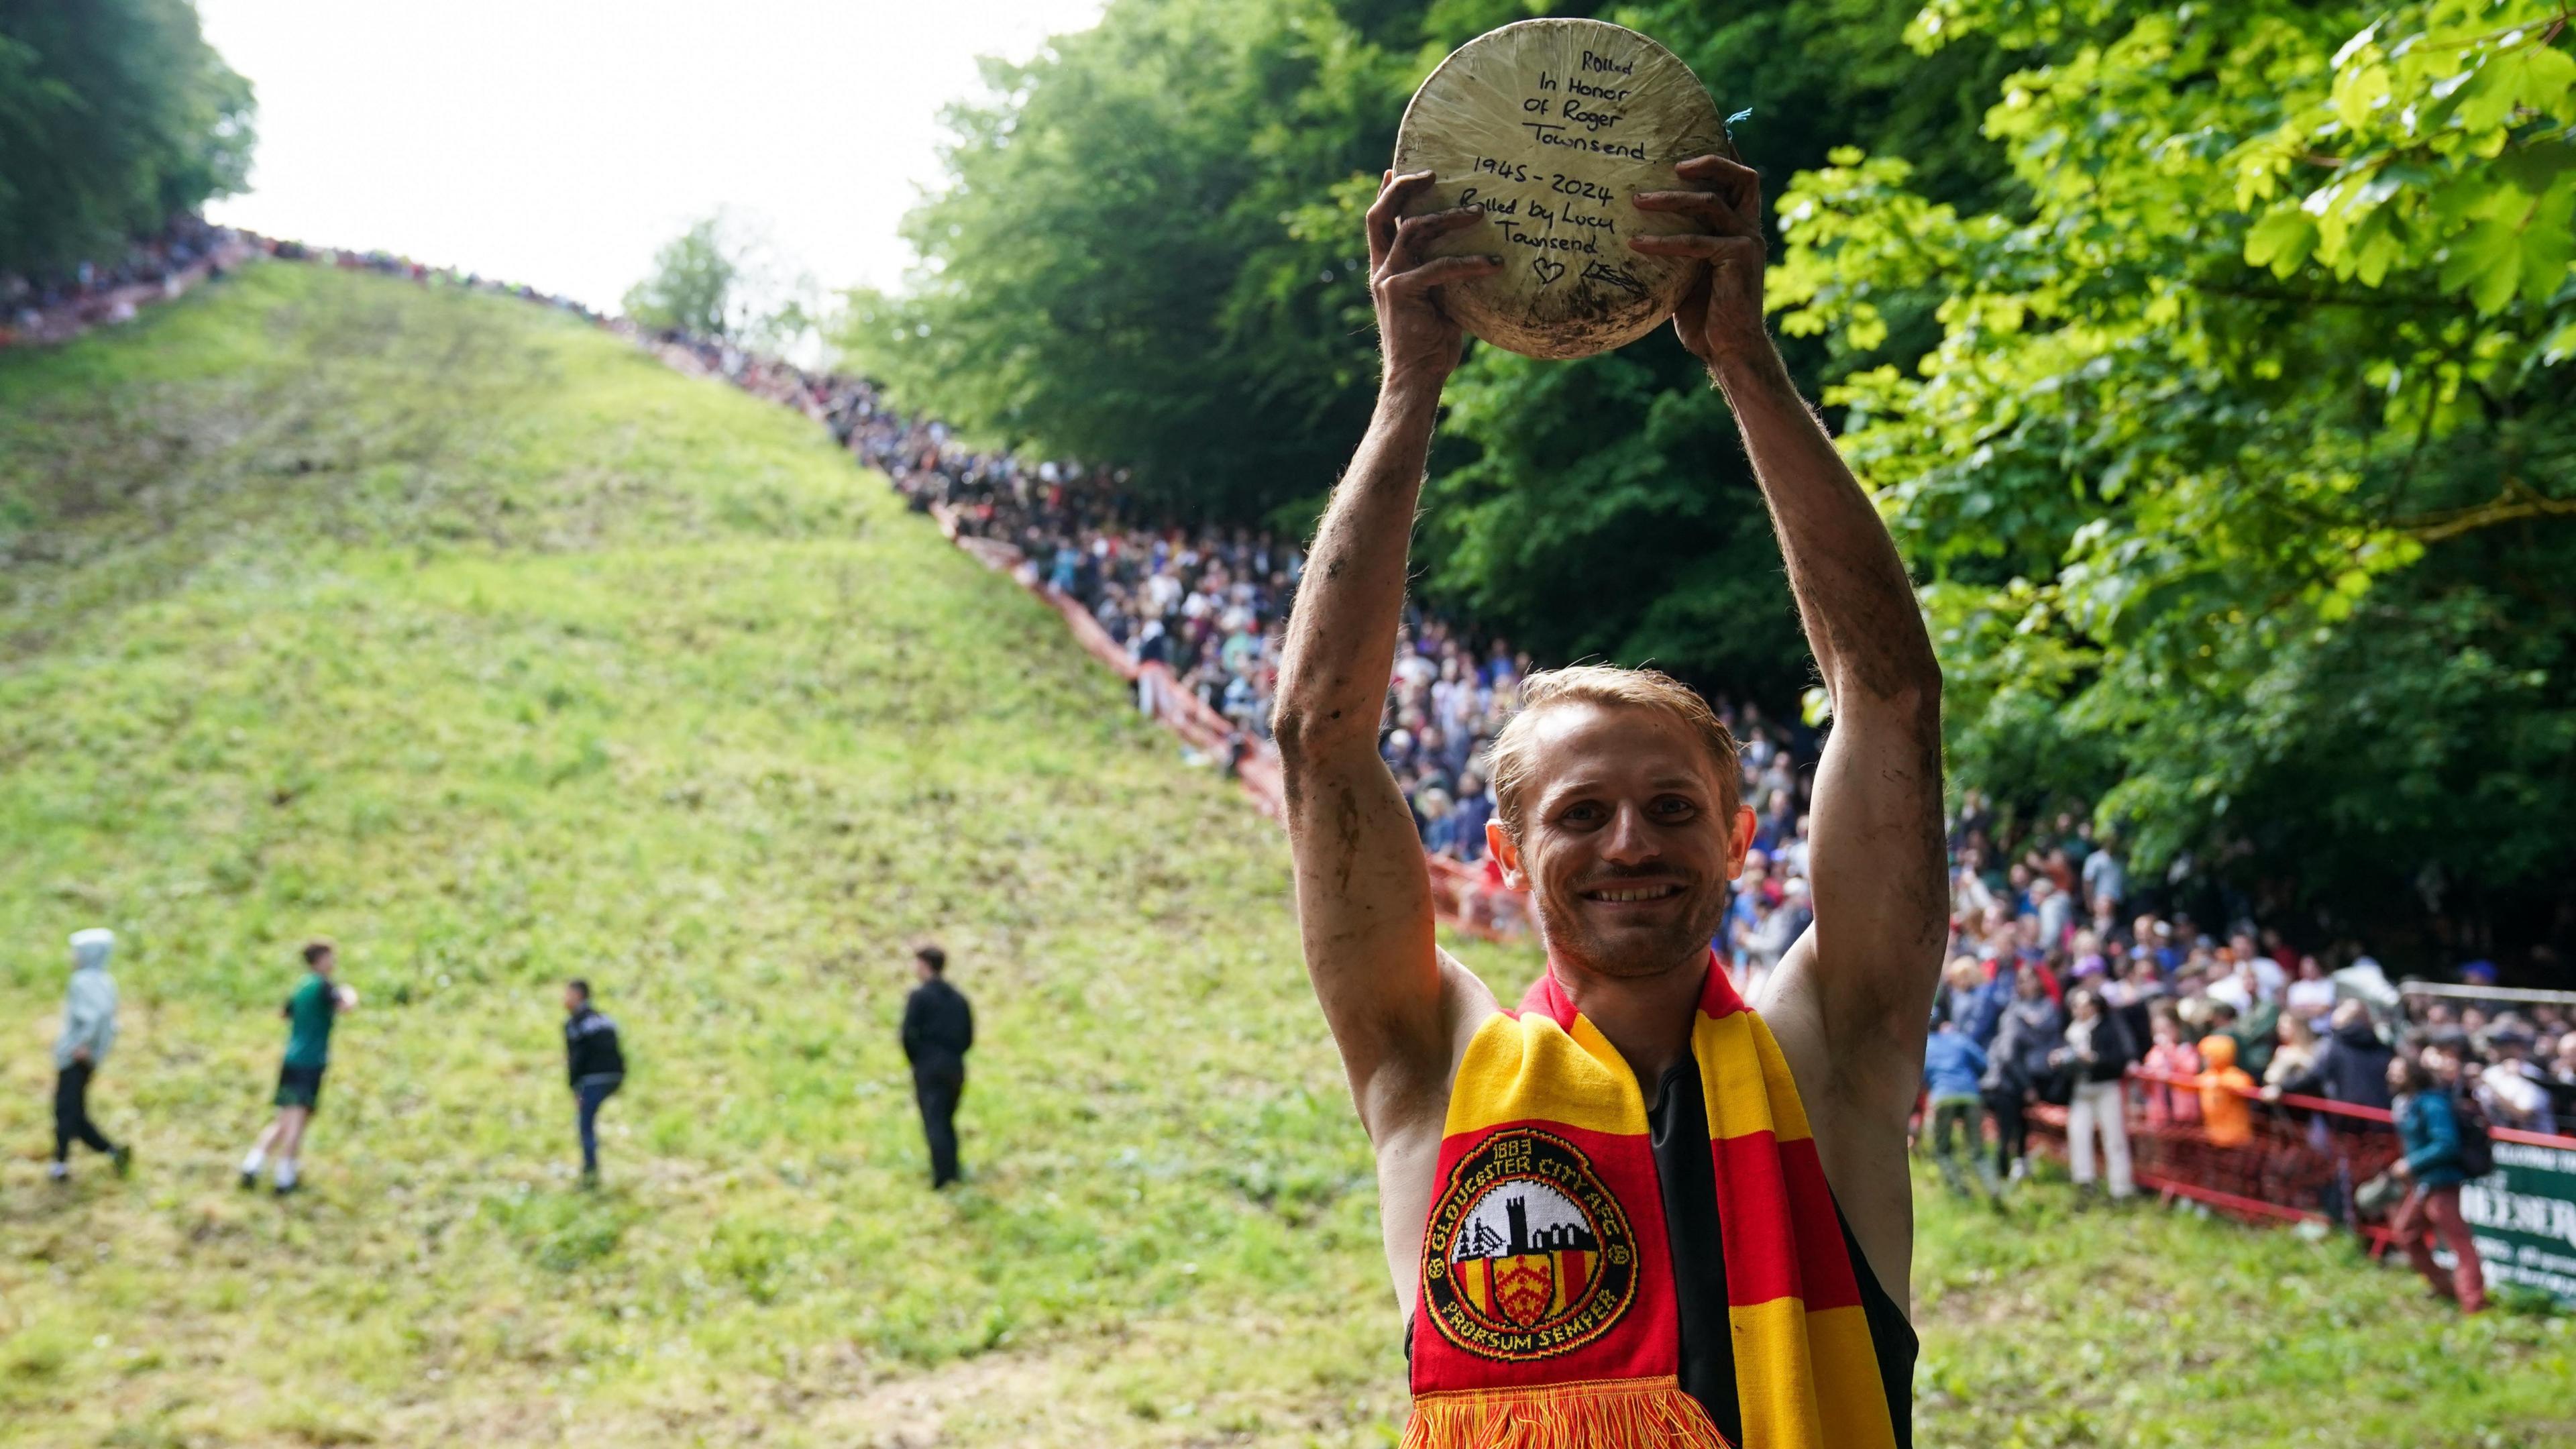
1528	1255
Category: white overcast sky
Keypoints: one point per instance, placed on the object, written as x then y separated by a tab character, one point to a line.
558	142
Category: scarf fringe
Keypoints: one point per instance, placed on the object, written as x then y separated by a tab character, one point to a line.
1649	1413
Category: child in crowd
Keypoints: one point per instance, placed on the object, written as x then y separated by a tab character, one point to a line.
2225	1113
2170	1060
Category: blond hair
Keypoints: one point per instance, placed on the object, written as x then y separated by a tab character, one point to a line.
1609	687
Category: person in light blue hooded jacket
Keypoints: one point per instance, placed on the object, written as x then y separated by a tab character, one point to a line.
89	1030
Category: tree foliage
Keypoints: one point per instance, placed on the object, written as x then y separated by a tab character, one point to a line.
2241	465
1151	252
115	115
1618	481
724	277
2209	361
1117	269
694	284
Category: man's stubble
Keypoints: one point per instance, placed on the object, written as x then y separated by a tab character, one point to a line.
1682	945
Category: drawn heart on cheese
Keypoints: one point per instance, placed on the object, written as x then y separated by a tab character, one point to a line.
1548	269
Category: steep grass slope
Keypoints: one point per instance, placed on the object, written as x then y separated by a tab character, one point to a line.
461	633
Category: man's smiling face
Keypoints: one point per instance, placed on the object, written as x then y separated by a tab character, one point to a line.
1628	836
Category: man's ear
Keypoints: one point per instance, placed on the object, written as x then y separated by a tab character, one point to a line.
1740	842
1507	852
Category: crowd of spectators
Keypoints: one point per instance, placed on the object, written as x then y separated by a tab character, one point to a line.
1206	603
2048	932
2081	976
2065	987
2293	1078
48	305
394	264
53	306
1209	603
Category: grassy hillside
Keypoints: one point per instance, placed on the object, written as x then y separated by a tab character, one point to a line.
457	631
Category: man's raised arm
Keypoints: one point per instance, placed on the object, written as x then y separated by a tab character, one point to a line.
1868	966
1363	892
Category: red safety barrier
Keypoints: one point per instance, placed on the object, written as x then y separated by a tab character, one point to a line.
2298	1154
1473	898
1465	897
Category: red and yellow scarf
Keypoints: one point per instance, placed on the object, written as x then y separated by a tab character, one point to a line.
1547	1317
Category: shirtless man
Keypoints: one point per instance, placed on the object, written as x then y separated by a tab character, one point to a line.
1582	1230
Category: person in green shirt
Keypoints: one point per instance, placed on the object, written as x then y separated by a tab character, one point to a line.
310	1012
2256	1032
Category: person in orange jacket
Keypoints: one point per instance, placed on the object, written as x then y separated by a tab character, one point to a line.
2225	1114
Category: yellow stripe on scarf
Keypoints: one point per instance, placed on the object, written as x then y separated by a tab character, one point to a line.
1744	1079
1783	1352
1529	1067
1804	1379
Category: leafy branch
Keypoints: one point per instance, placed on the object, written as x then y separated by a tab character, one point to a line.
2516	501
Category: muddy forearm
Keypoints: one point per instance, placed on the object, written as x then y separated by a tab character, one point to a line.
1341	641
1853	594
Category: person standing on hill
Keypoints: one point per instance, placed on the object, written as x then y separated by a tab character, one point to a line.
89	1029
1639	1210
2018	1070
310	1013
597	1067
938	1028
1972	1003
2095	1058
1953	1066
2428	1128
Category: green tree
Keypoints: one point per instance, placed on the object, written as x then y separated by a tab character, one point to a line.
1114	269
695	284
1151	252
115	116
1618	480
2240	466
724	277
2211	362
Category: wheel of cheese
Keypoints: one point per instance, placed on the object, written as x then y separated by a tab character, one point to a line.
1551	126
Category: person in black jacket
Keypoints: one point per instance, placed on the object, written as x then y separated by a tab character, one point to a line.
2096	1052
2351	1067
938	1027
2017	1068
596	1065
